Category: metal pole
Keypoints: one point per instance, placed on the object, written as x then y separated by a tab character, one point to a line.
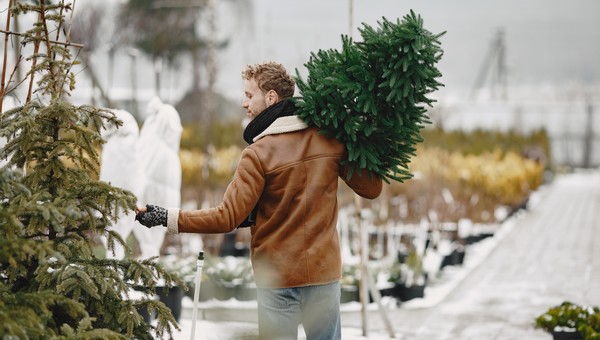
588	137
364	246
351	18
363	283
199	265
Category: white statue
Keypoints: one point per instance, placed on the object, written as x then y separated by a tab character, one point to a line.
158	154
120	167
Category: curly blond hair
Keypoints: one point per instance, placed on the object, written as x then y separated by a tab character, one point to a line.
271	76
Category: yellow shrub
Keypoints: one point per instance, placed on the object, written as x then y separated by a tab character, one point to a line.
216	168
477	183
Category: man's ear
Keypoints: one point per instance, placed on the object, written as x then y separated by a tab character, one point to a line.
272	97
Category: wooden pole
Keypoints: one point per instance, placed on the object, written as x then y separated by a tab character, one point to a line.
366	283
364	246
382	311
363	283
2	84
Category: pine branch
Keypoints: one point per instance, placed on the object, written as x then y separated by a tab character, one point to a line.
63	43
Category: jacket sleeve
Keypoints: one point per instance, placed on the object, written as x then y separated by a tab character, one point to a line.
365	184
240	198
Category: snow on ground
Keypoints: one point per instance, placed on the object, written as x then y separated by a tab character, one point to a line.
209	330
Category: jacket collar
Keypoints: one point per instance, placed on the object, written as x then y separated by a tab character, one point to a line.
283	125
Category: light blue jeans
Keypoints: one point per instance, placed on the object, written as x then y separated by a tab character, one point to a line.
282	310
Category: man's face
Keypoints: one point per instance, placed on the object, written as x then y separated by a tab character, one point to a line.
255	100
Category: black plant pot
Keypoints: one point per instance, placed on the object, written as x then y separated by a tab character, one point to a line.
460	256
471	239
388	291
142	310
171	297
207	290
145	315
349	294
456	257
224	291
405	293
485	235
566	335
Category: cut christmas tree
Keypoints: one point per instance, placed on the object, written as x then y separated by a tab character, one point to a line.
372	94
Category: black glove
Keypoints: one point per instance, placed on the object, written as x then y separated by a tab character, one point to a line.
153	216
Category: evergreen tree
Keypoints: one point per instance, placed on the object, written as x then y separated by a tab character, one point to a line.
51	283
371	95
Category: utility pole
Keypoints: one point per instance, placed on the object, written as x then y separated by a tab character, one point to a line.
497	54
588	138
499	82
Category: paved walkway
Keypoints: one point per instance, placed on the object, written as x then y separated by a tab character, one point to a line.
552	254
548	255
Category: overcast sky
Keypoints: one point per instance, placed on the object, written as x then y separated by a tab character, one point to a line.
547	41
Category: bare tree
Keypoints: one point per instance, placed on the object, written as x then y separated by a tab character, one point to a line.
86	28
162	32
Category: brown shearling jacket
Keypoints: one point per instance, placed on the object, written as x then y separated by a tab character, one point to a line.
291	171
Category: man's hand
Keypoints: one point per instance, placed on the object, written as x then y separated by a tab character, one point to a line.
151	215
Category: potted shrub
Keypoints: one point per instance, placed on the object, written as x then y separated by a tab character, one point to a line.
229	277
394	276
409	278
571	321
413	284
349	283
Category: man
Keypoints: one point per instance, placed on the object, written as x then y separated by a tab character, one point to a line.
289	172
